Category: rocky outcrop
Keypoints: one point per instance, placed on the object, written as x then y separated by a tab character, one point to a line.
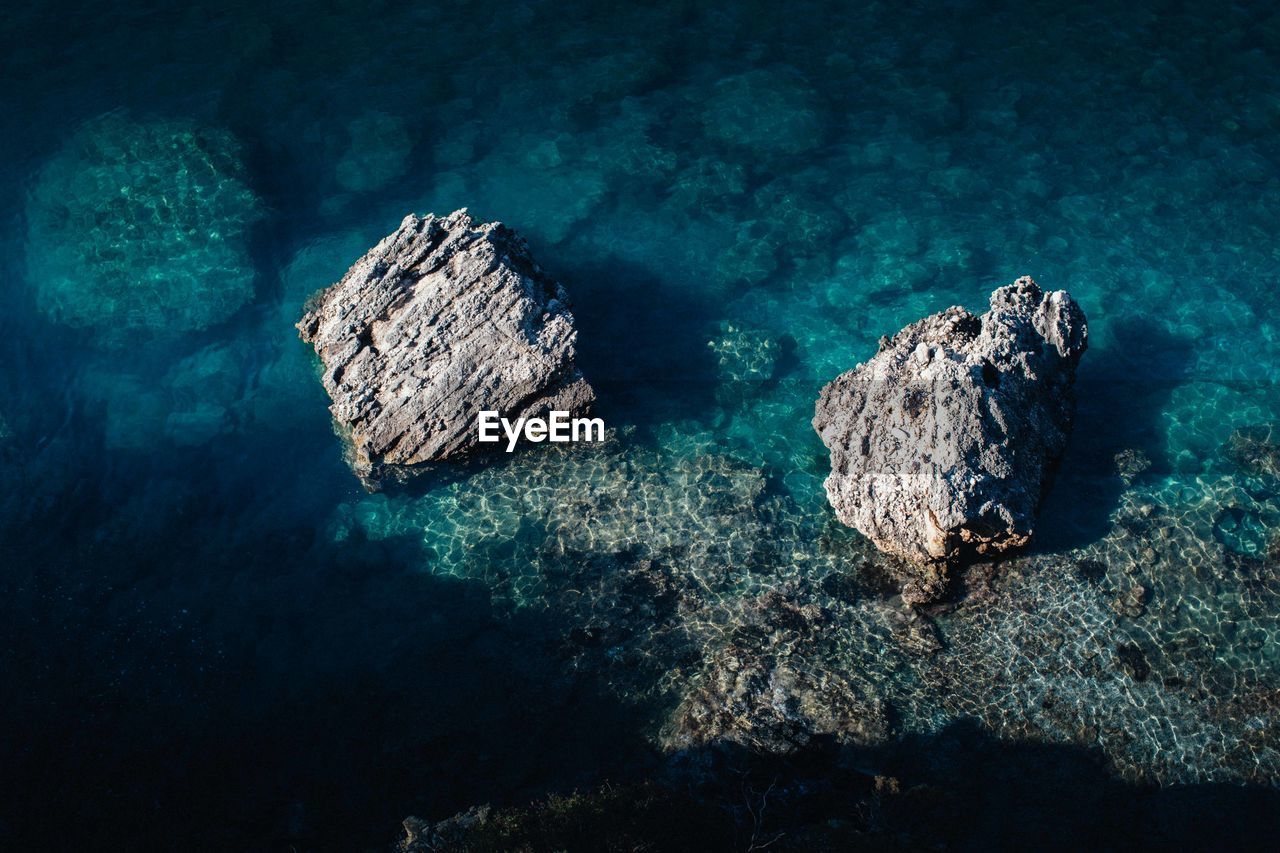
942	444
422	836
444	318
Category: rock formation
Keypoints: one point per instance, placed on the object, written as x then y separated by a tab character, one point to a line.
943	443
444	318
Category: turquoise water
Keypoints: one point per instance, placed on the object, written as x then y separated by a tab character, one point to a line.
204	615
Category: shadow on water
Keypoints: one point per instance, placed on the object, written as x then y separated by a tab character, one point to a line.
643	343
275	690
272	690
1024	795
963	789
1121	390
957	789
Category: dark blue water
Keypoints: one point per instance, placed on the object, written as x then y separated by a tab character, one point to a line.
212	638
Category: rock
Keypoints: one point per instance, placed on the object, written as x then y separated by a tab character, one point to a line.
915	633
942	444
745	355
444	318
1132	661
421	836
923	583
1254	450
1131	601
1130	464
773	706
1091	571
1241	530
760	691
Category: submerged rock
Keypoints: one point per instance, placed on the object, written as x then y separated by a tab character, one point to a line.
1130	464
444	318
421	835
764	690
744	355
378	154
768	111
1255	450
141	229
943	443
694	510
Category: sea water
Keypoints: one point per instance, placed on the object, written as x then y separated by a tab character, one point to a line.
209	628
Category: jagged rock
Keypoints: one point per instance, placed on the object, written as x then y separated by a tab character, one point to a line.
444	318
421	836
942	444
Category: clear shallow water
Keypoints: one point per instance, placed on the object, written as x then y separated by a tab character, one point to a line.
204	615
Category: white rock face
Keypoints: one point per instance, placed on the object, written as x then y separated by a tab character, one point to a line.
943	443
442	319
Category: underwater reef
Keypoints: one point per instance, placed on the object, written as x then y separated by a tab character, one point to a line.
141	228
443	319
943	443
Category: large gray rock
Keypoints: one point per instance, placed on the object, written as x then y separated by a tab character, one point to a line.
444	318
942	444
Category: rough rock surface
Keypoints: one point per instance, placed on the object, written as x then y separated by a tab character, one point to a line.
942	444
442	319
